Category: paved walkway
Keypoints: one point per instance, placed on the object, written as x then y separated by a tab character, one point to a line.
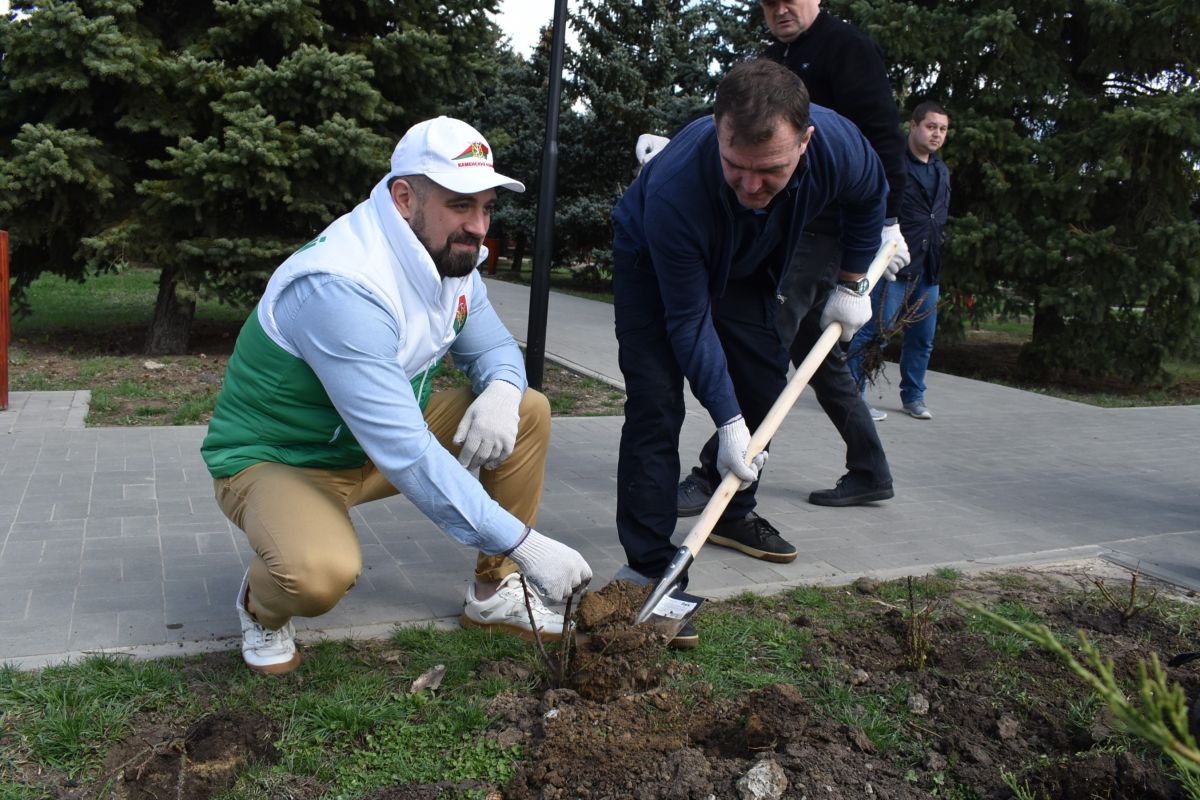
110	539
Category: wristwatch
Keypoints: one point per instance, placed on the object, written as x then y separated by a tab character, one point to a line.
859	286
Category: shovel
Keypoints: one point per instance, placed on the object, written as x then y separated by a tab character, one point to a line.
668	608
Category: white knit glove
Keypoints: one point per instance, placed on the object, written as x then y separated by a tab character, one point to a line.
900	259
488	431
848	307
733	438
554	569
648	146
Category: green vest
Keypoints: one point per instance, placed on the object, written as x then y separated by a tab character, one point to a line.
272	407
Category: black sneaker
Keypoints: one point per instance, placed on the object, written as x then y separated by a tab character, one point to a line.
851	491
692	496
686	639
754	536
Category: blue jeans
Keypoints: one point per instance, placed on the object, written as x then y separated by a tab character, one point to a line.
917	298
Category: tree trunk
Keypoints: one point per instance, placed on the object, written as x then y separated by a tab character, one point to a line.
518	252
172	324
1040	358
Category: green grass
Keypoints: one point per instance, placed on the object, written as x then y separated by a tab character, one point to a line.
929	587
107	300
66	715
740	651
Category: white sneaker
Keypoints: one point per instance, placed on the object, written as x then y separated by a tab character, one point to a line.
506	610
876	414
266	651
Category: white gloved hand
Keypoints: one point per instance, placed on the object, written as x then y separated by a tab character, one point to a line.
648	146
488	431
848	307
733	438
554	569
900	259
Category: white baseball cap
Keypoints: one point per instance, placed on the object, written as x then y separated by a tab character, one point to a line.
450	153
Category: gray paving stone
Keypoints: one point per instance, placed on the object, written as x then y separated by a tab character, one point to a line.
35	511
141	567
124	508
200	566
14	603
102	570
108	528
25	639
46	529
51	605
222	542
125	547
94	631
78	509
139	627
133	527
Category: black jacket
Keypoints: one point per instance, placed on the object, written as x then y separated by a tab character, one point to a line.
922	221
843	70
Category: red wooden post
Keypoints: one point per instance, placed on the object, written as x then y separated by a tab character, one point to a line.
4	320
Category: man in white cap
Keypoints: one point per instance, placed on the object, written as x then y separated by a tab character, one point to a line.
327	403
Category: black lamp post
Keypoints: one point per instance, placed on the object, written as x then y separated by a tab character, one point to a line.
539	290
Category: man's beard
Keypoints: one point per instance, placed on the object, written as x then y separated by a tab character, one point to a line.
450	263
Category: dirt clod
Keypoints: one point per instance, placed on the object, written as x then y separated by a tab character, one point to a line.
616	657
198	763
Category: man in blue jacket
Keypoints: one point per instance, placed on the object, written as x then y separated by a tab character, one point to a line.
843	69
911	302
701	241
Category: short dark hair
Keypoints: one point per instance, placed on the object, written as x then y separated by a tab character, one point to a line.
420	184
755	95
926	108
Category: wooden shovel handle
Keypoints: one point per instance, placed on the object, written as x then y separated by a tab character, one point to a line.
779	409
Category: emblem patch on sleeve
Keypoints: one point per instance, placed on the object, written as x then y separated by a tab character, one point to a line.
460	315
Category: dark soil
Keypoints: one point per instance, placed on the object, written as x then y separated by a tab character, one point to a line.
632	724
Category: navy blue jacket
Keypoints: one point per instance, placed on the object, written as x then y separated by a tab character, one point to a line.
677	219
922	221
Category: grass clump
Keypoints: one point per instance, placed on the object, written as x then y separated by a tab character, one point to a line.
65	717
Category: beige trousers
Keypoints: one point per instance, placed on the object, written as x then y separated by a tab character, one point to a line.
307	555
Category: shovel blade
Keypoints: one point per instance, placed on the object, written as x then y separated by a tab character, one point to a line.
668	607
672	612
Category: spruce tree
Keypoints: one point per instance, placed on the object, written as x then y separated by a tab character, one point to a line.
1075	127
209	139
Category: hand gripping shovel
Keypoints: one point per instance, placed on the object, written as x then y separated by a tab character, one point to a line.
668	607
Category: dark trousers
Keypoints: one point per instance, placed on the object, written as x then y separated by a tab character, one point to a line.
814	267
648	457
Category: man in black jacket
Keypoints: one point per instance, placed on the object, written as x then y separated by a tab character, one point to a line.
913	297
843	70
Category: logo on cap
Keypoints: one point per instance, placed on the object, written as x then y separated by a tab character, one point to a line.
475	152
